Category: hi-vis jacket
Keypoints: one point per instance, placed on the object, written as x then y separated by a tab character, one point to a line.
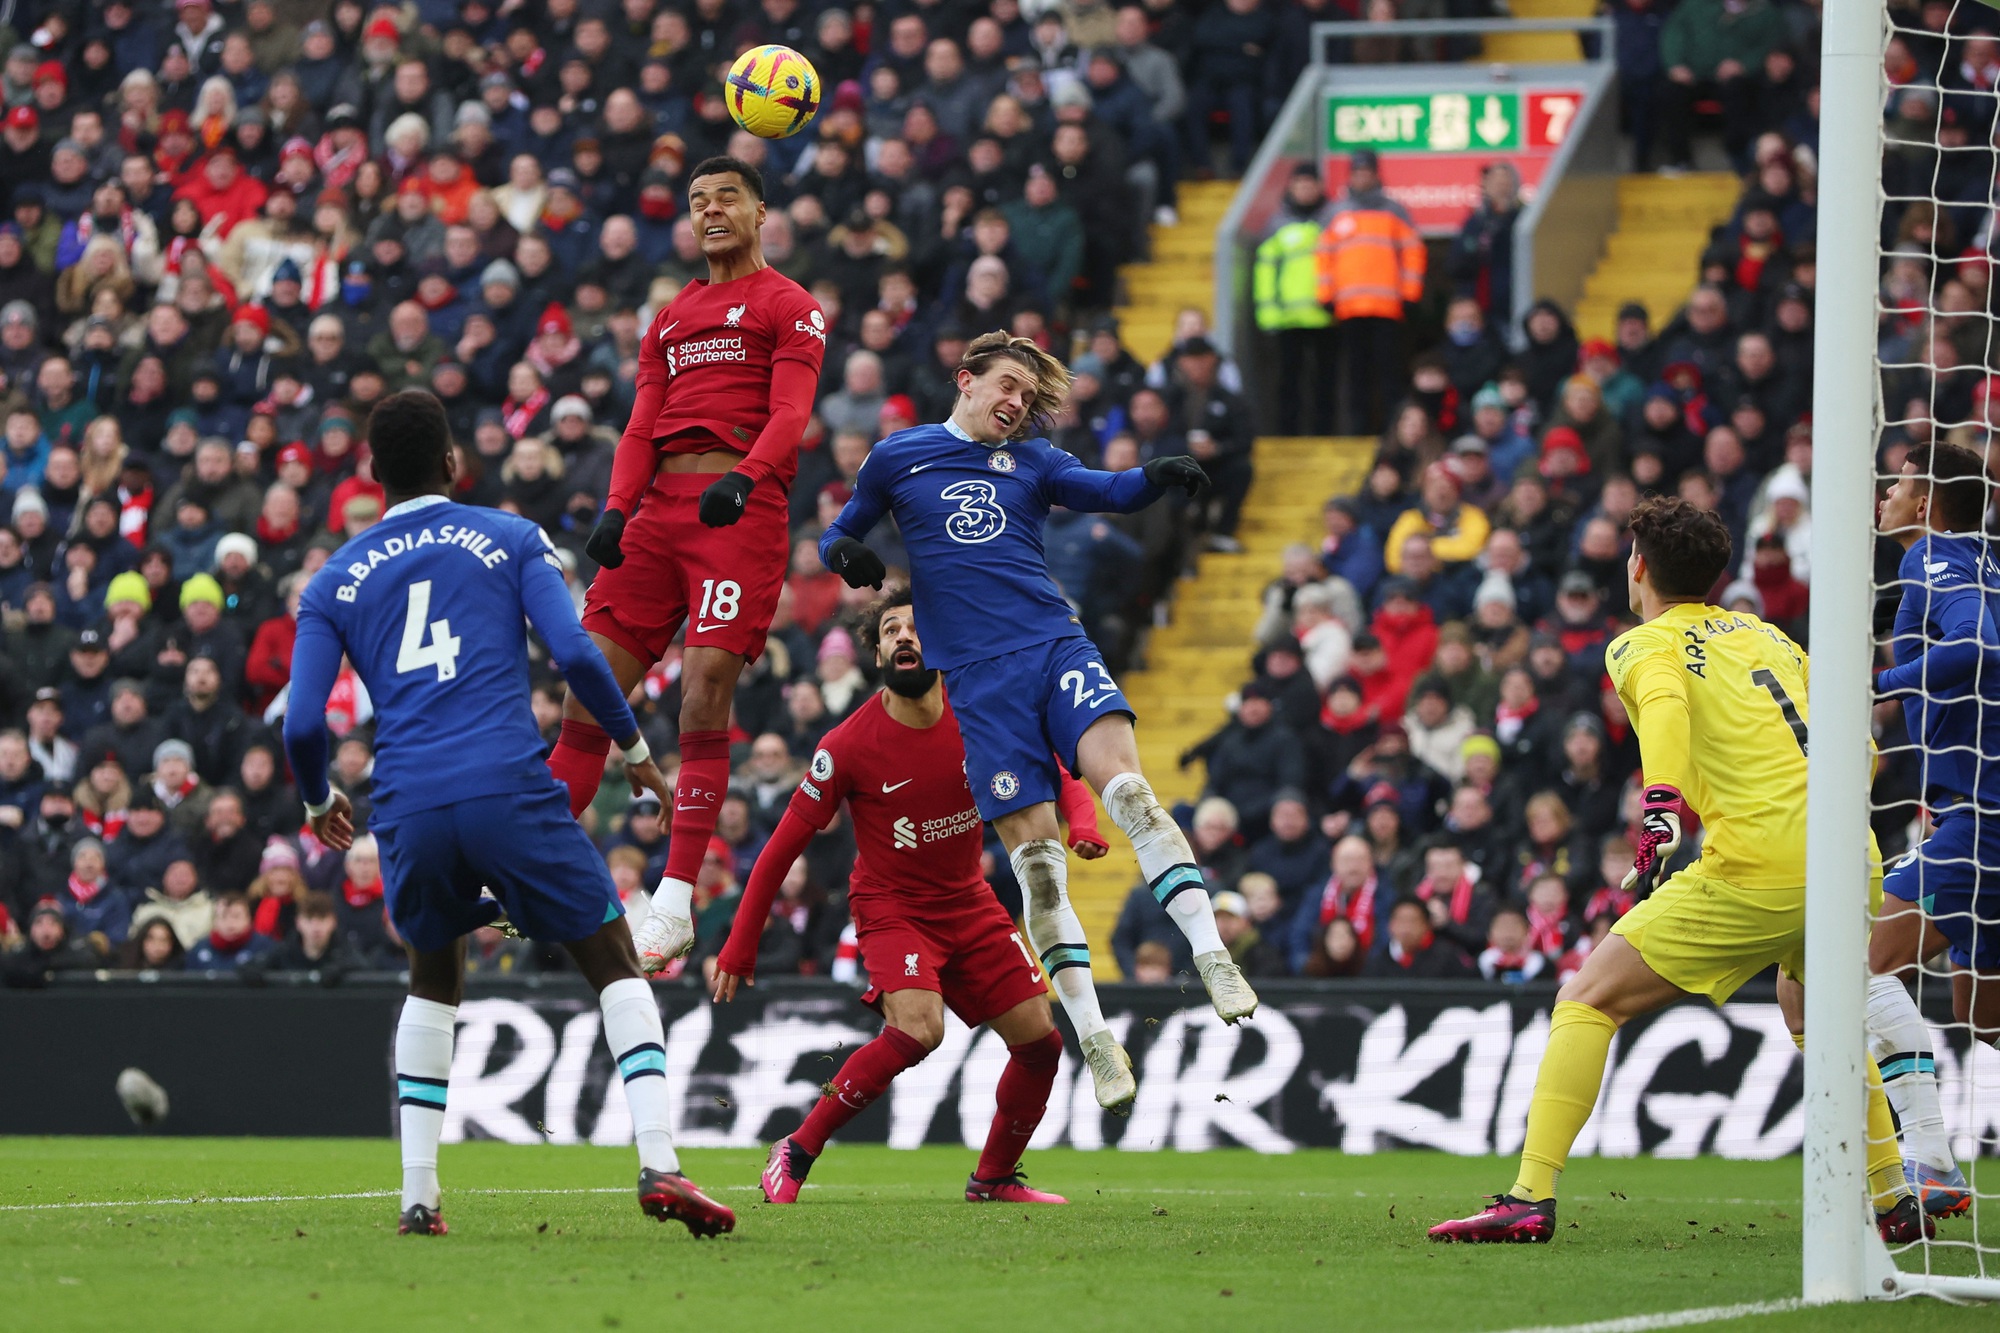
1371	259
1286	281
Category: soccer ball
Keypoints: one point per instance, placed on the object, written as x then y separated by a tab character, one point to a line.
772	91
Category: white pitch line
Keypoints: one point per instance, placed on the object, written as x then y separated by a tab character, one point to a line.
1643	1323
198	1200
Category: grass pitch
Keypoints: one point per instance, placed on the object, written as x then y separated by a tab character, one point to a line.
162	1234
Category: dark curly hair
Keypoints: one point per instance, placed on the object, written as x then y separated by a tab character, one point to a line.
895	595
1686	548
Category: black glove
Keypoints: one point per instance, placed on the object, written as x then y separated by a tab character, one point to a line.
603	544
722	503
856	564
1179	470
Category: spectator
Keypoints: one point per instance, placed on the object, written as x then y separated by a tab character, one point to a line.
1245	942
1354	893
94	908
47	950
152	947
1508	956
180	900
1292	853
231	944
313	946
1289	308
362	912
1714	48
1416	950
1251	759
1482	260
1372	264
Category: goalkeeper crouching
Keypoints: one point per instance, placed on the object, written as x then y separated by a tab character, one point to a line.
1719	701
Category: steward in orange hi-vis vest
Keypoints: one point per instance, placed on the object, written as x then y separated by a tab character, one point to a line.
1371	258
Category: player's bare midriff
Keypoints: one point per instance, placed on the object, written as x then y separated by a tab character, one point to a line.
719	459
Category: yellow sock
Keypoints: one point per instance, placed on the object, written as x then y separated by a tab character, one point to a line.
1885	1155
1565	1091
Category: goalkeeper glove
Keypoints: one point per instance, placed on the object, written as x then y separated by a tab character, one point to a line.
1179	470
856	564
603	543
1660	821
722	503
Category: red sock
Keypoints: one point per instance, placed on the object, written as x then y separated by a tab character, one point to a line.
578	762
1022	1097
864	1077
697	800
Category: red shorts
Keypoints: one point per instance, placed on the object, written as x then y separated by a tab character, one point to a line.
967	951
722	582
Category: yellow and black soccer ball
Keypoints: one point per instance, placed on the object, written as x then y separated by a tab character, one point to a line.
772	91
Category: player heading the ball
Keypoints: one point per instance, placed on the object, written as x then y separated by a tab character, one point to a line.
970	497
694	530
429	606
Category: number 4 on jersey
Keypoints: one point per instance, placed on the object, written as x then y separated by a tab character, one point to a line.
441	652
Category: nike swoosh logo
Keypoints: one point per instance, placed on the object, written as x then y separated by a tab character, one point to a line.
918	468
669	329
886	788
690	807
703	629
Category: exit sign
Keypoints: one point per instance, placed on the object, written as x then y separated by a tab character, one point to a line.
1429	123
1433	146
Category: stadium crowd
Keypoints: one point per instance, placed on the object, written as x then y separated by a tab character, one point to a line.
232	228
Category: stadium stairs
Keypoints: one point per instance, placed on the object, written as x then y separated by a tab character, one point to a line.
1197	660
1202	655
1654	256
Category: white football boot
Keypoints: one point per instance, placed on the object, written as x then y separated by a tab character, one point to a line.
1227	990
1111	1071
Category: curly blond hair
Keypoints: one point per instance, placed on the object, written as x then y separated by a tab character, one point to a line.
1051	376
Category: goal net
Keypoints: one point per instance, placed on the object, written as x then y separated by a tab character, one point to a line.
1905	240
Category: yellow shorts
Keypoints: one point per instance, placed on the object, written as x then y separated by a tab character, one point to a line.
1708	937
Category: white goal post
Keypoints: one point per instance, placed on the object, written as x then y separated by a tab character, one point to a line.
1843	1258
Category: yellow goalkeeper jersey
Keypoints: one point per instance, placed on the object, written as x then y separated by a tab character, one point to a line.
1718	699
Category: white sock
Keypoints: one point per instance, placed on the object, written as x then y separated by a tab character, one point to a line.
1165	859
675	897
639	1044
1043	869
423	1071
1900	1041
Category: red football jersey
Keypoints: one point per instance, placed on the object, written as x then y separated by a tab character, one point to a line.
713	348
916	830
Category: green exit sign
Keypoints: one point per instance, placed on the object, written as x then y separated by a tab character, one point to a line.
1427	123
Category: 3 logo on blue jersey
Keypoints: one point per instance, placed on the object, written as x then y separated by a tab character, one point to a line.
979	517
1005	785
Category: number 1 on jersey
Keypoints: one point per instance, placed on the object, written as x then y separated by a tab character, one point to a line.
1766	678
441	652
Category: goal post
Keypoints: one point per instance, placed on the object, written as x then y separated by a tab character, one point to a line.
1837	1235
1843	1257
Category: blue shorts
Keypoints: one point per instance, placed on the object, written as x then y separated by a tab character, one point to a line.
1954	875
524	846
1022	710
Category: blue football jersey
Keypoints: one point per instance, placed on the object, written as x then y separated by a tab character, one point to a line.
431	606
971	516
1947	645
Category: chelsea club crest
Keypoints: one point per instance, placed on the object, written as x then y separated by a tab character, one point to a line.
1000	461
